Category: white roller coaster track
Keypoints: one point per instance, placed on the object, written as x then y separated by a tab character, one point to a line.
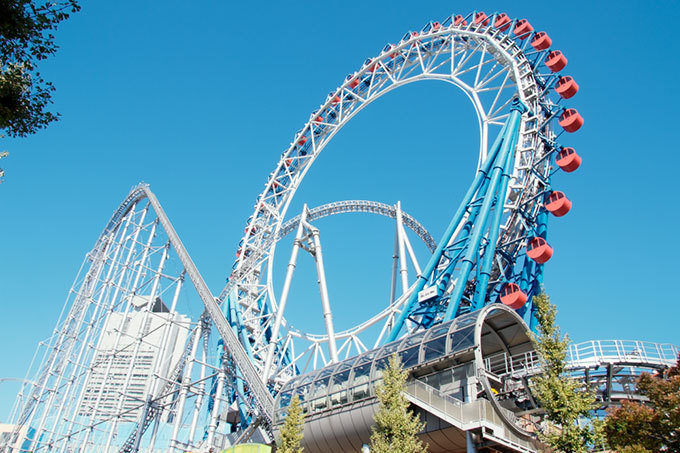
491	67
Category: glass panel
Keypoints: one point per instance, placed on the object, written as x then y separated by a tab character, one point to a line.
361	371
325	372
303	392
379	366
366	358
466	320
338	387
413	339
439	330
384	357
389	349
321	386
434	348
463	339
319	397
361	380
307	378
284	399
342	373
409	357
288	385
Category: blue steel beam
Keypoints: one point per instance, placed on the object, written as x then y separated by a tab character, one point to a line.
437	255
472	252
478	187
484	270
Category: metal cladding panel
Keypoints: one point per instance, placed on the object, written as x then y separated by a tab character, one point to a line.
339	431
311	436
449	440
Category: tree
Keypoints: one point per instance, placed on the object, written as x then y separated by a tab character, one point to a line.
291	432
26	38
564	400
652	427
396	427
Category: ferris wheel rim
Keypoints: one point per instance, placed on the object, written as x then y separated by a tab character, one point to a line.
483	37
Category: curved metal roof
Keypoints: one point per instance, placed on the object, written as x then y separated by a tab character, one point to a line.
467	338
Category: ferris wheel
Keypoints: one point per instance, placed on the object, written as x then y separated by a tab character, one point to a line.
496	244
129	368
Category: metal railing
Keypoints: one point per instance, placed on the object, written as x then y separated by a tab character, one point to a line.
587	354
621	352
522	364
465	416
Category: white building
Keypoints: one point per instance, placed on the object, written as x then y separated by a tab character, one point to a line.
18	439
133	347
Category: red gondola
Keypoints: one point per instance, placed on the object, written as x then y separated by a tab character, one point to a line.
568	160
436	26
459	20
541	41
556	61
571	120
539	250
481	18
522	29
354	82
318	119
302	140
557	203
566	87
335	100
512	296
502	22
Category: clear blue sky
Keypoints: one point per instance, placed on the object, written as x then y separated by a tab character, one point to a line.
200	100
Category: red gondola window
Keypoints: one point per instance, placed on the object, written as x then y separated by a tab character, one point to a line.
571	120
459	20
566	87
523	28
541	41
481	18
556	61
502	22
568	160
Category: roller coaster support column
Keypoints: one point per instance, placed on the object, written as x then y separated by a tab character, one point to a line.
221	378
444	242
510	130
323	288
184	390
472	252
402	252
494	229
276	328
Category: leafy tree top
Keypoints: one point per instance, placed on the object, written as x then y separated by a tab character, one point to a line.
396	426
651	427
566	403
26	37
292	430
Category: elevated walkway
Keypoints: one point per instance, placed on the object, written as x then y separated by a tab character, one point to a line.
477	416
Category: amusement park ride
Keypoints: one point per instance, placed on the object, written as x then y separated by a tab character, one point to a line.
128	369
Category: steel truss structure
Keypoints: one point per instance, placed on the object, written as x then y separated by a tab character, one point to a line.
483	249
130	368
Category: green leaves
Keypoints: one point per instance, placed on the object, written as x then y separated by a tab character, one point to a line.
25	39
655	426
292	430
396	427
566	403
